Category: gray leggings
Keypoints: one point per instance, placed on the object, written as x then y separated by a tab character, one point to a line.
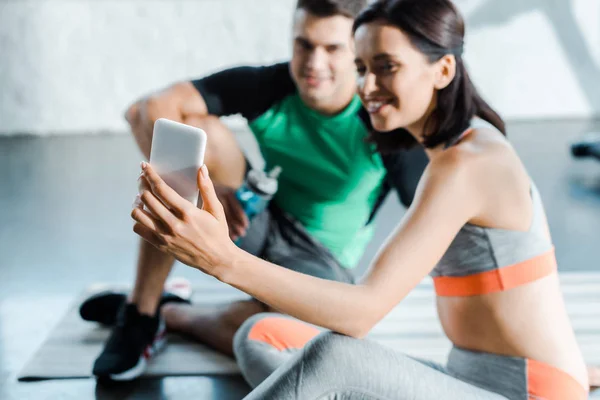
333	366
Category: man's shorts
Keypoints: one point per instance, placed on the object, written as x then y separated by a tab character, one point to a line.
277	237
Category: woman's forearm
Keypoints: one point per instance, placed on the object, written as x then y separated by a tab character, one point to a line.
348	309
199	238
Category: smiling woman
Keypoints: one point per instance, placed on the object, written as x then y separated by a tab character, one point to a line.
476	225
421	73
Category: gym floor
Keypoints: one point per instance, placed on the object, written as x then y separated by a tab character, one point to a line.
64	224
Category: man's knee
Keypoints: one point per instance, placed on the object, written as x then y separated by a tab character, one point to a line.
132	114
206	122
223	157
215	130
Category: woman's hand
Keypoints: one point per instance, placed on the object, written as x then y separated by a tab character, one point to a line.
196	237
237	220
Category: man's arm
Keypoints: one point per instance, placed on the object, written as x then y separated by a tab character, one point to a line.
176	102
248	91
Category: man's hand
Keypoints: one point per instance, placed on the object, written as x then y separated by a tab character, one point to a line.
177	103
237	220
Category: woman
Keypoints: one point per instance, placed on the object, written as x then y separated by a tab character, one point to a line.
476	225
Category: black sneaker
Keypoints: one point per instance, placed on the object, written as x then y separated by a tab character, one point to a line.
103	307
133	342
588	146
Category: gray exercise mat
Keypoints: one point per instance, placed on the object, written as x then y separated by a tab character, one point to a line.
412	327
72	346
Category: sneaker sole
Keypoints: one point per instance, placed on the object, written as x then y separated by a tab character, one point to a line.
150	351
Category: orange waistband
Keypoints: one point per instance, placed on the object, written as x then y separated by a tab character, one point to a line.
497	280
549	383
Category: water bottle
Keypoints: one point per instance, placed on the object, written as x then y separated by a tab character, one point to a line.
257	190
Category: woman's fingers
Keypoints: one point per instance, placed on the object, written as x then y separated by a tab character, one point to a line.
158	209
239	214
235	220
169	197
209	196
143	183
145	219
148	235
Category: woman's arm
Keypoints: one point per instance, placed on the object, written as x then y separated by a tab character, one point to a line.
199	238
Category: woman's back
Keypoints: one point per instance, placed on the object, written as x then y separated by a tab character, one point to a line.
497	285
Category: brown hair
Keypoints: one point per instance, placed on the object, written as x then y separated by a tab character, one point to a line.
435	28
329	8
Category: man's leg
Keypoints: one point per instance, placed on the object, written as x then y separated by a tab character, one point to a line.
139	332
224	157
214	326
153	268
227	166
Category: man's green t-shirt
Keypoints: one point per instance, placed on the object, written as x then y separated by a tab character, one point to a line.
332	181
331	177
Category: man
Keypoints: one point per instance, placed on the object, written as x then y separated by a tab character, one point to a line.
307	119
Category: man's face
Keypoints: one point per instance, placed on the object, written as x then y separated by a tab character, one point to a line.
322	63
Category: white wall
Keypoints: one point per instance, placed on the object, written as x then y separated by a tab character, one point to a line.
536	58
71	66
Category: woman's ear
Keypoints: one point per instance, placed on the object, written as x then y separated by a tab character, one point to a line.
446	71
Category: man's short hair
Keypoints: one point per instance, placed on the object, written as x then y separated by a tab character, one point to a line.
330	8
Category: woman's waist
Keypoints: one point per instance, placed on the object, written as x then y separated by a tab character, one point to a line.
512	376
527	322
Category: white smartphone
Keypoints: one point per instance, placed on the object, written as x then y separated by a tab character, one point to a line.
177	153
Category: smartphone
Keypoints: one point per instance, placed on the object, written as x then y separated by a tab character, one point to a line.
177	153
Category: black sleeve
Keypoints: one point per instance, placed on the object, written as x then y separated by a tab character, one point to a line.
404	169
249	91
403	172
